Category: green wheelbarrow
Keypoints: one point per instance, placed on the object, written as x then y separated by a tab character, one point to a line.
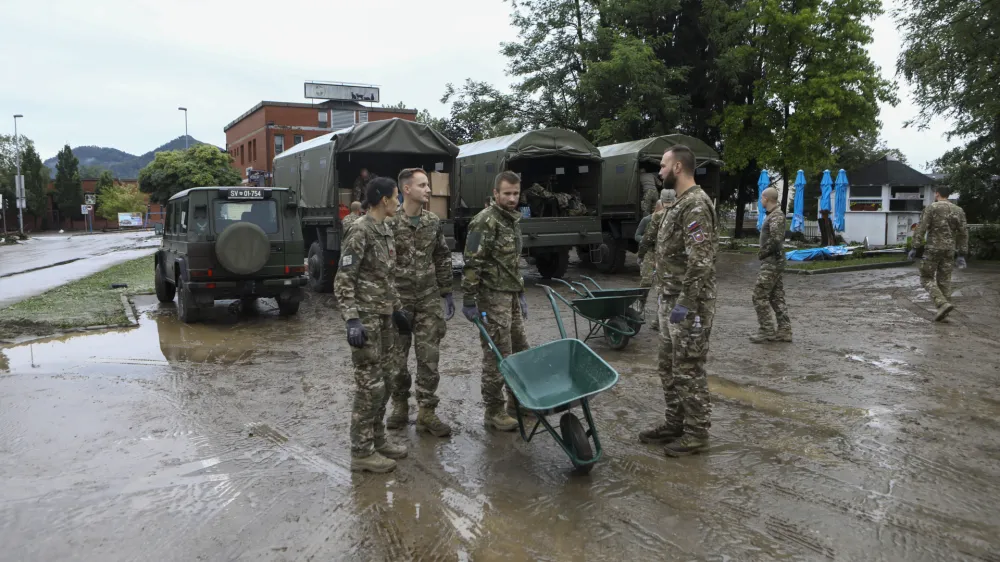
617	314
553	378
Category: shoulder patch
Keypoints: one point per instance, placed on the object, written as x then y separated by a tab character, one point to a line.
694	226
347	261
473	241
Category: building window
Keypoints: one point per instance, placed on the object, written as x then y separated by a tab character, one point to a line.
362	117
253	148
296	139
242	156
324	120
279	144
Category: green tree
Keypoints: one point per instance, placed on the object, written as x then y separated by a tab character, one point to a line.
119	199
480	111
177	170
8	165
36	179
68	188
91	172
105	181
950	53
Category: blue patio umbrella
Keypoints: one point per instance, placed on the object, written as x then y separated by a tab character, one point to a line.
826	186
840	206
762	183
798	218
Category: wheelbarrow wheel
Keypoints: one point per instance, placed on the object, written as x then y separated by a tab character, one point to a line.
612	335
576	439
635	320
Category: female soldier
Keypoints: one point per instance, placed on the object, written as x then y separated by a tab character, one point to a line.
366	290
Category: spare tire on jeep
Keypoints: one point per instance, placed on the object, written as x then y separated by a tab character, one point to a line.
243	248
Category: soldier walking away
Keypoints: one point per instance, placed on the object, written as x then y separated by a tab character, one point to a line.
686	250
365	287
361	185
352	217
769	293
493	291
946	246
423	278
646	237
647	181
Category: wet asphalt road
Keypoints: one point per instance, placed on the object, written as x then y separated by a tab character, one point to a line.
873	437
44	262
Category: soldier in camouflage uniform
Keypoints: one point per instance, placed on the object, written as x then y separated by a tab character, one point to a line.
493	291
686	249
361	184
769	293
650	195
947	244
423	277
647	244
366	291
352	217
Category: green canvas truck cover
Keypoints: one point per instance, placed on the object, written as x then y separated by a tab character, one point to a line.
534	144
621	163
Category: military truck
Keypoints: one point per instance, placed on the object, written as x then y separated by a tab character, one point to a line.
322	172
230	243
564	165
622	192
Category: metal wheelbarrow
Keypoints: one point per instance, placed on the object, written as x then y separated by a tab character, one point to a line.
615	313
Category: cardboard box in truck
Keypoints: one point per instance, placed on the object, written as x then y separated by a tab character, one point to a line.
439	184
438	206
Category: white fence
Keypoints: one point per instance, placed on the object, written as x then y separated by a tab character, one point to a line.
809	228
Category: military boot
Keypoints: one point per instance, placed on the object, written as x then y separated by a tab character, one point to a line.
762	337
389	449
686	445
497	418
428	421
372	463
942	312
512	411
783	335
400	415
661	434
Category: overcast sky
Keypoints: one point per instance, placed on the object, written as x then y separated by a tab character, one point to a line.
113	72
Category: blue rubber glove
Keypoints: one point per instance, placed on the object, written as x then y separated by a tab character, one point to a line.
678	313
471	312
357	335
449	306
960	262
403	322
524	305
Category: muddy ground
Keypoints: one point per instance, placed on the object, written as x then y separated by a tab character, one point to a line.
873	437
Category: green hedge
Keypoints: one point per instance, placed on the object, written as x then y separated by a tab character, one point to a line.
984	242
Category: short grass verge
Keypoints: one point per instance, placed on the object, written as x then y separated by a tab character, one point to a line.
847	261
87	302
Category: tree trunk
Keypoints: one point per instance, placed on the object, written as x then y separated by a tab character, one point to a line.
784	190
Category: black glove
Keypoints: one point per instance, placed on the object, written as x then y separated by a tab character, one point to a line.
403	322
471	313
449	306
357	335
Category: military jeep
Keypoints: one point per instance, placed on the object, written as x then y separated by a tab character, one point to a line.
224	243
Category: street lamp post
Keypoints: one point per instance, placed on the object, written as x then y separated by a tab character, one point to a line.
185	110
17	151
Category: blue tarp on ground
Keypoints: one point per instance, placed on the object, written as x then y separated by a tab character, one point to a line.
811	254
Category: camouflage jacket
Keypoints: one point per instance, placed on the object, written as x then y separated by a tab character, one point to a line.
686	248
423	260
366	277
650	193
358	193
772	238
944	224
648	241
347	221
492	254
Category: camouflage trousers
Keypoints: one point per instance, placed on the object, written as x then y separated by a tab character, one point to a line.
935	275
682	354
373	366
768	296
505	326
651	280
428	330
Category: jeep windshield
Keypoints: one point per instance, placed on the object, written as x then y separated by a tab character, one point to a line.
262	213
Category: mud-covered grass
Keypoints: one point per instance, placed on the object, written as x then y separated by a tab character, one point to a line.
846	262
87	302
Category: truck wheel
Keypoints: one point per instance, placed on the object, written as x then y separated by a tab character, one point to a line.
287	307
553	265
320	270
583	252
612	254
164	291
187	310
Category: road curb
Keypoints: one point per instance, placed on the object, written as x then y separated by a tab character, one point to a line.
849	268
129	313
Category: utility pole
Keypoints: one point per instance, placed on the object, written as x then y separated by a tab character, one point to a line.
18	178
185	110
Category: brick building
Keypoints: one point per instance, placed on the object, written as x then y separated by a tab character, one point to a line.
52	219
270	127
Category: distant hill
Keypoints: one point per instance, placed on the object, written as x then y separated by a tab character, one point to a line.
122	164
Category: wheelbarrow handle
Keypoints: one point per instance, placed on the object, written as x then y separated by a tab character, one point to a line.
489	340
571	288
555	308
596	286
